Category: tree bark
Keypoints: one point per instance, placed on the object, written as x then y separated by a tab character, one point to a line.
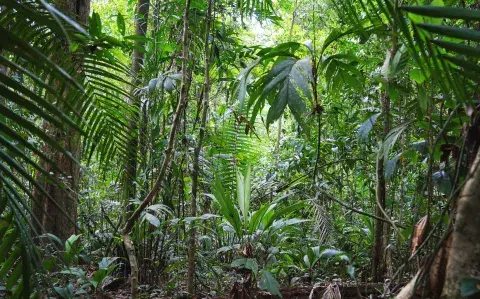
198	148
378	265
464	255
57	212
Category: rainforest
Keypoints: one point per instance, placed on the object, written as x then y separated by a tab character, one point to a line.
240	149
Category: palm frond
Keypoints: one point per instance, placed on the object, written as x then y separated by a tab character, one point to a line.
44	88
323	222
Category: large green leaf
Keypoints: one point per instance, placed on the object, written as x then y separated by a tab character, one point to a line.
227	208
390	141
339	71
287	83
243	193
269	283
366	127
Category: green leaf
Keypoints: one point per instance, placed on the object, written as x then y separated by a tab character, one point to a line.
121	24
256	219
70	242
278	106
66	292
277	214
443	182
73	47
423	99
243	193
98	277
345	258
330	253
227	208
399	61
7	266
202	217
152	219
106	262
390	167
366	127
252	265
469	286
460	33
288	82
390	141
240	85
95	25
14	276
247	263
306	260
269	283
444	12
54	12
417	76
458	47
351	271
467	65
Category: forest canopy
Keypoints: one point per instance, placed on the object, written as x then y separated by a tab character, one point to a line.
239	149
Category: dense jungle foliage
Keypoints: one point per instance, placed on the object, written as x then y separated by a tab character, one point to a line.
239	149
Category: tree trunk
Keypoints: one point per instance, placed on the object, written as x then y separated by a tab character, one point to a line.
459	256
464	254
166	161
378	264
382	230
130	163
196	166
57	212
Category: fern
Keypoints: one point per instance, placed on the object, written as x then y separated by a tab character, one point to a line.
233	148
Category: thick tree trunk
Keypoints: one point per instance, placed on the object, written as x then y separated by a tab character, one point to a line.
464	253
459	256
198	148
58	214
462	248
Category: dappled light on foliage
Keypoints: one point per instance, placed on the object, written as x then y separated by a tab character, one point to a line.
239	149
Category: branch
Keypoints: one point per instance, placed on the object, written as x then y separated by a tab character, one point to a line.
331	197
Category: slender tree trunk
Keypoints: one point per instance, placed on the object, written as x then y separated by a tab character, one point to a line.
130	163
57	212
198	148
166	162
277	143
129	174
382	230
380	235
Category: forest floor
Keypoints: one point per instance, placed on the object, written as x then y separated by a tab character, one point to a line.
331	290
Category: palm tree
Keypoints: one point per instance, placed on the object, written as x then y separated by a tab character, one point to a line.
59	97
